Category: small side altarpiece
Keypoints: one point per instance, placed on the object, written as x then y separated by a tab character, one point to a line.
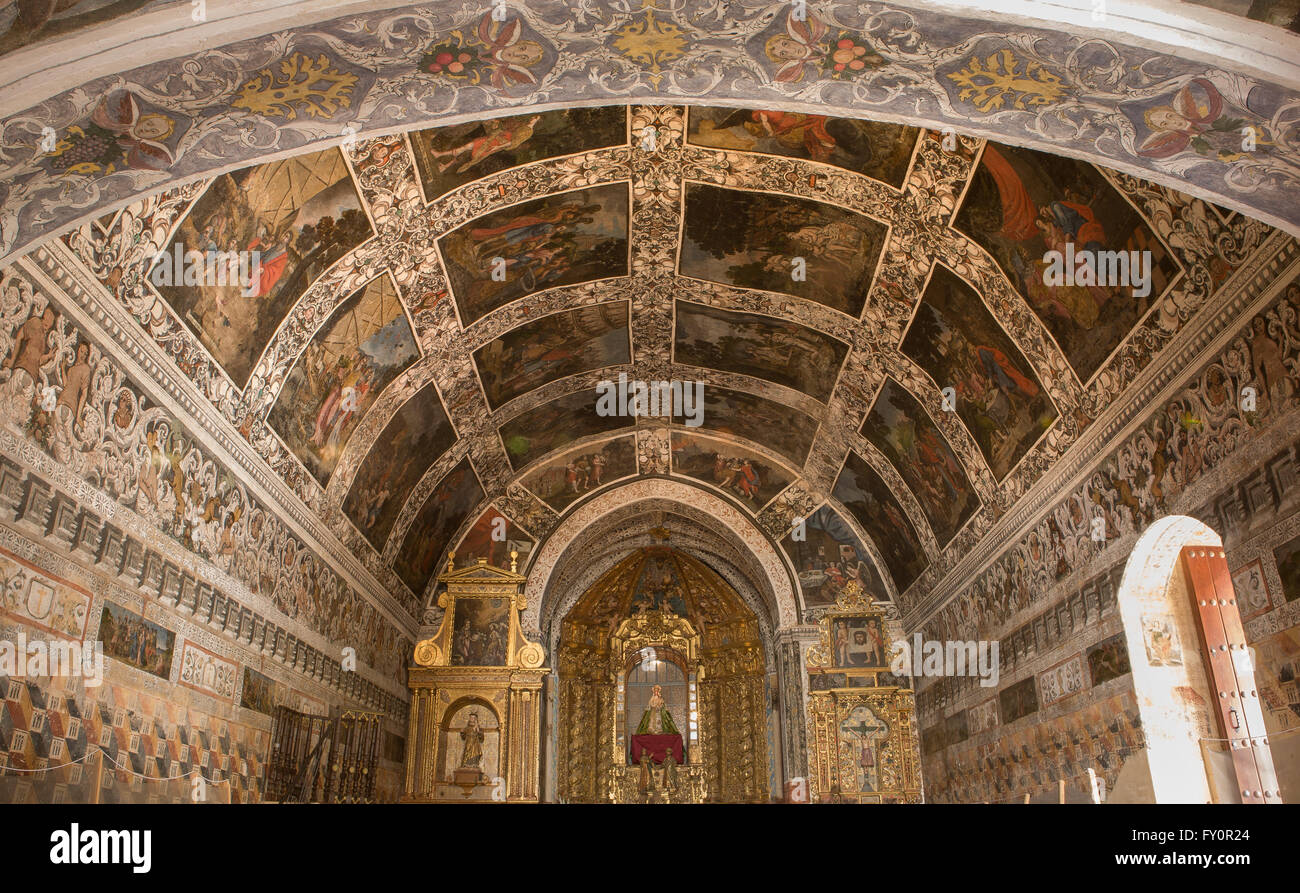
475	726
862	718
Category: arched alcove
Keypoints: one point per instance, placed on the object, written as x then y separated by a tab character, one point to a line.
1187	758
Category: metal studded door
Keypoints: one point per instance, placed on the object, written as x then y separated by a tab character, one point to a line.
1232	675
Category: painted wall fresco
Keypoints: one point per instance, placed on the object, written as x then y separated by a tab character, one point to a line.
860	490
62	396
450	157
772	349
134	640
878	150
44	601
1021	204
783	430
1277	672
363	346
1108	660
1031	759
1198	432
900	428
1287	556
550	426
828	557
572	475
552	347
442	515
494	537
741	473
558	240
301	213
153	746
750	239
1250	586
999	397
163	705
412	440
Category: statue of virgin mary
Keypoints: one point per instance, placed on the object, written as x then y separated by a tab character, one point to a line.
657	720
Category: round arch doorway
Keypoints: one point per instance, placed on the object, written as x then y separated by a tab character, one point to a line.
662	692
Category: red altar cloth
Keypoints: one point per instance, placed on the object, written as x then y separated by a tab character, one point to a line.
657	746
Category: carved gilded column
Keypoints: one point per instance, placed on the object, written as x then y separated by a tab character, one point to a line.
412	743
605	751
428	743
710	732
525	737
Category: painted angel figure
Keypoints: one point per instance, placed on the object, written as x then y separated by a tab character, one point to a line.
657	720
799	47
1194	119
118	134
508	57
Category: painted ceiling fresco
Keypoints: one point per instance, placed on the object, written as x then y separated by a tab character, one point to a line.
301	214
1171	111
857	300
777	243
790	355
362	347
553	347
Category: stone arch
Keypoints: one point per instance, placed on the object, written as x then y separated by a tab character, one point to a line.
1174	689
743	529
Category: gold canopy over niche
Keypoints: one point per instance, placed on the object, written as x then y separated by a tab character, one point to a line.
664	618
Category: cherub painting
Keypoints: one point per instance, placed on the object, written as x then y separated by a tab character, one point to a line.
118	135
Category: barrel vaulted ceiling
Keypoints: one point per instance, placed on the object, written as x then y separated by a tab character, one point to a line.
664	257
659	241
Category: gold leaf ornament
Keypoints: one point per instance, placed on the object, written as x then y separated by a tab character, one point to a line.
300	84
1002	80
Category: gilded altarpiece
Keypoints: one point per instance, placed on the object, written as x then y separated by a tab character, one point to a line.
475	722
862	722
623	624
